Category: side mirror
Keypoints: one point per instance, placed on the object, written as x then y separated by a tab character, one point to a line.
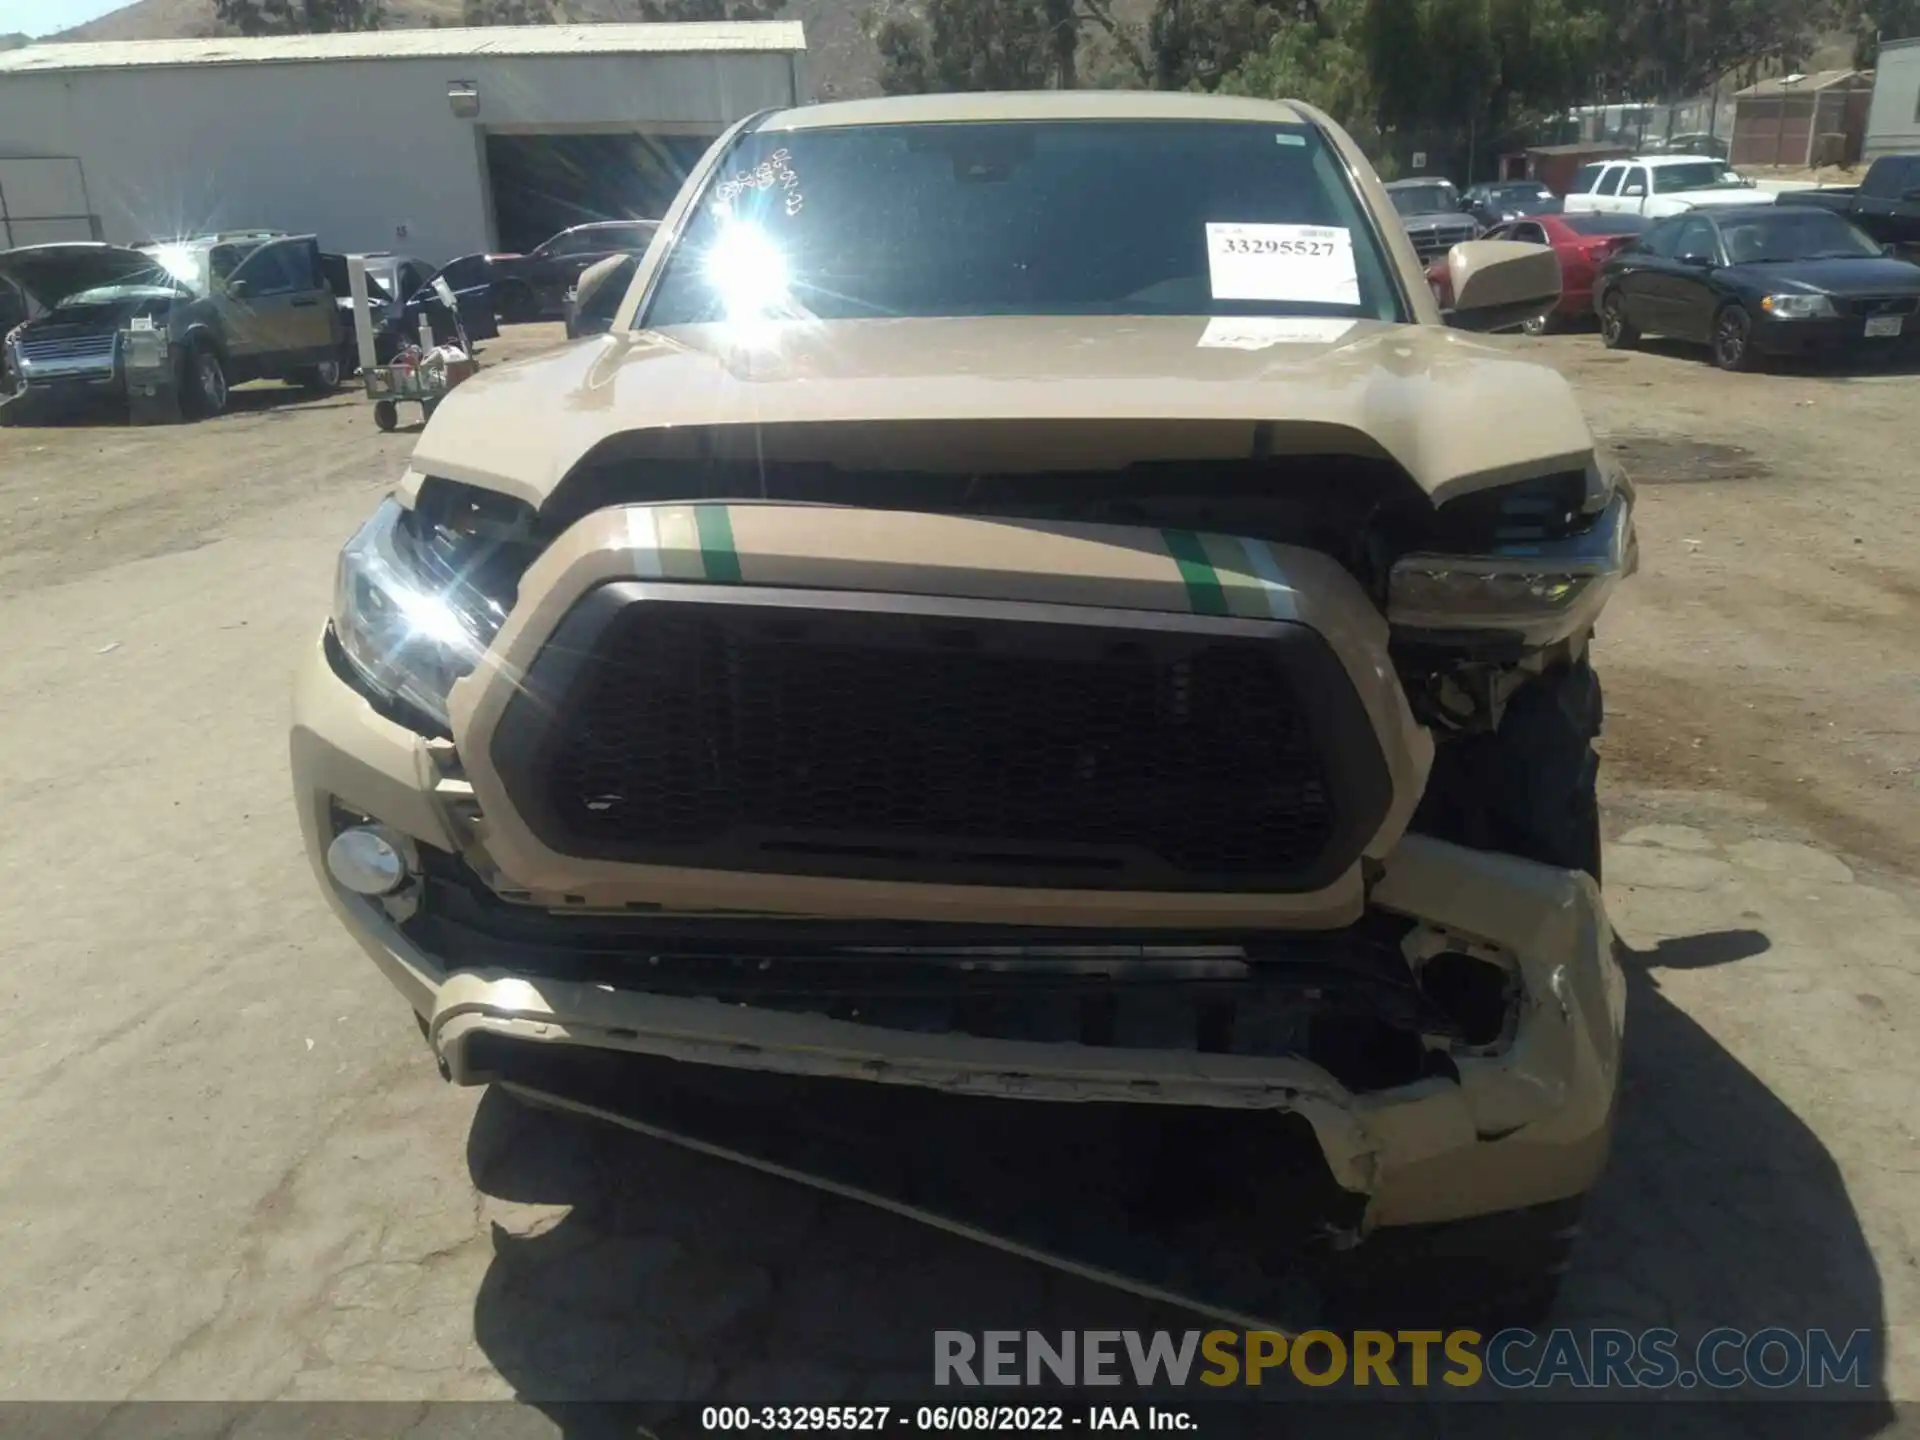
1498	284
238	289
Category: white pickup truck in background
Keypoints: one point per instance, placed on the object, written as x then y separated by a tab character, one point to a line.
1657	186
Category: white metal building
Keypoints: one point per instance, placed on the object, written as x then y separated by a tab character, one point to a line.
1893	117
434	143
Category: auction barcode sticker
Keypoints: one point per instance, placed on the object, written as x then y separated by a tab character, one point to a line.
1259	332
1312	263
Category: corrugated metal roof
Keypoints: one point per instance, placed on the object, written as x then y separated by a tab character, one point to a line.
1801	84
451	43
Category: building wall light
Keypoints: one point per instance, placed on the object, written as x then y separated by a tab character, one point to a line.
464	97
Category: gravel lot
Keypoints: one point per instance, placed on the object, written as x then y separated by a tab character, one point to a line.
231	1171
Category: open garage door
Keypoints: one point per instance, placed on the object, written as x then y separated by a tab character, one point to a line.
43	199
542	183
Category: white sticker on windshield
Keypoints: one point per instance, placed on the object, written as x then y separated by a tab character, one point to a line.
1282	262
1257	332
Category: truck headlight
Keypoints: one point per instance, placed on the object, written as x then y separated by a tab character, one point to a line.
1799	307
415	605
1539	591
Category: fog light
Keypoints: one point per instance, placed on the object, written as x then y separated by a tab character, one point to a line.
367	861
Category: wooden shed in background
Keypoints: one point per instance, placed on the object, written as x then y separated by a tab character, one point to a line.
1554	165
1802	120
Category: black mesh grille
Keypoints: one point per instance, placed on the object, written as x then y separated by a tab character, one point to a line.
863	743
1882	305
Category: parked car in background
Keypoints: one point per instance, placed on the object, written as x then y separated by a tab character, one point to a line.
592	301
1885	204
1692	143
13	313
1429	209
1759	281
232	307
1582	244
534	286
13	308
1508	200
400	291
1655	186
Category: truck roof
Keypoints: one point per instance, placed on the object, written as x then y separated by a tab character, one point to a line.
1034	105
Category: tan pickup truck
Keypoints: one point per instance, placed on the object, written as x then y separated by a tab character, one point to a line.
1052	533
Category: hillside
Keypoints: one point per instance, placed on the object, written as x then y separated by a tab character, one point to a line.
840	59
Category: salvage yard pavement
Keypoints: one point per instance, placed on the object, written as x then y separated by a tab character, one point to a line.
231	1171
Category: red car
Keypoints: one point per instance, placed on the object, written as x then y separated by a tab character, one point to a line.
1583	242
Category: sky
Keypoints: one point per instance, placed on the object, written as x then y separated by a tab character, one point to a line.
43	17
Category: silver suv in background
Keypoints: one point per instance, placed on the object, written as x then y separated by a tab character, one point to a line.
171	320
1430	209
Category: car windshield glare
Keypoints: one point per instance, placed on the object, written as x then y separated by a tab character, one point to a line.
1028	218
1704	175
1792	234
1424	199
183	265
153	287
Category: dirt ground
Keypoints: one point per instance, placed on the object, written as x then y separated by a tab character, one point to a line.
232	1173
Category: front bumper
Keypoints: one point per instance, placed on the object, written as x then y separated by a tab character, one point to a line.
1499	1127
1844	333
59	390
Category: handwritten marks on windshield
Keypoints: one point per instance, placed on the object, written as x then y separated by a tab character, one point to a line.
776	171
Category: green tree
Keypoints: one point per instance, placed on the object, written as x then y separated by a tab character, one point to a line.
965	45
1405	75
509	12
299	17
690	10
1196	44
1315	58
1674	48
1871	21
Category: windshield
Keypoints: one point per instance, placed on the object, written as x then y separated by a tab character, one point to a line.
1028	218
154	289
1793	234
1425	199
1519	194
1701	175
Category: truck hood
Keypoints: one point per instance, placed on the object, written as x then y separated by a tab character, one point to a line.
48	274
973	395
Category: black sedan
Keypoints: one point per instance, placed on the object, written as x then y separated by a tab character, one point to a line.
400	291
1751	281
534	286
1498	202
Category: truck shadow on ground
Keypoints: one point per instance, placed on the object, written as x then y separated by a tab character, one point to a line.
677	1277
255	399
